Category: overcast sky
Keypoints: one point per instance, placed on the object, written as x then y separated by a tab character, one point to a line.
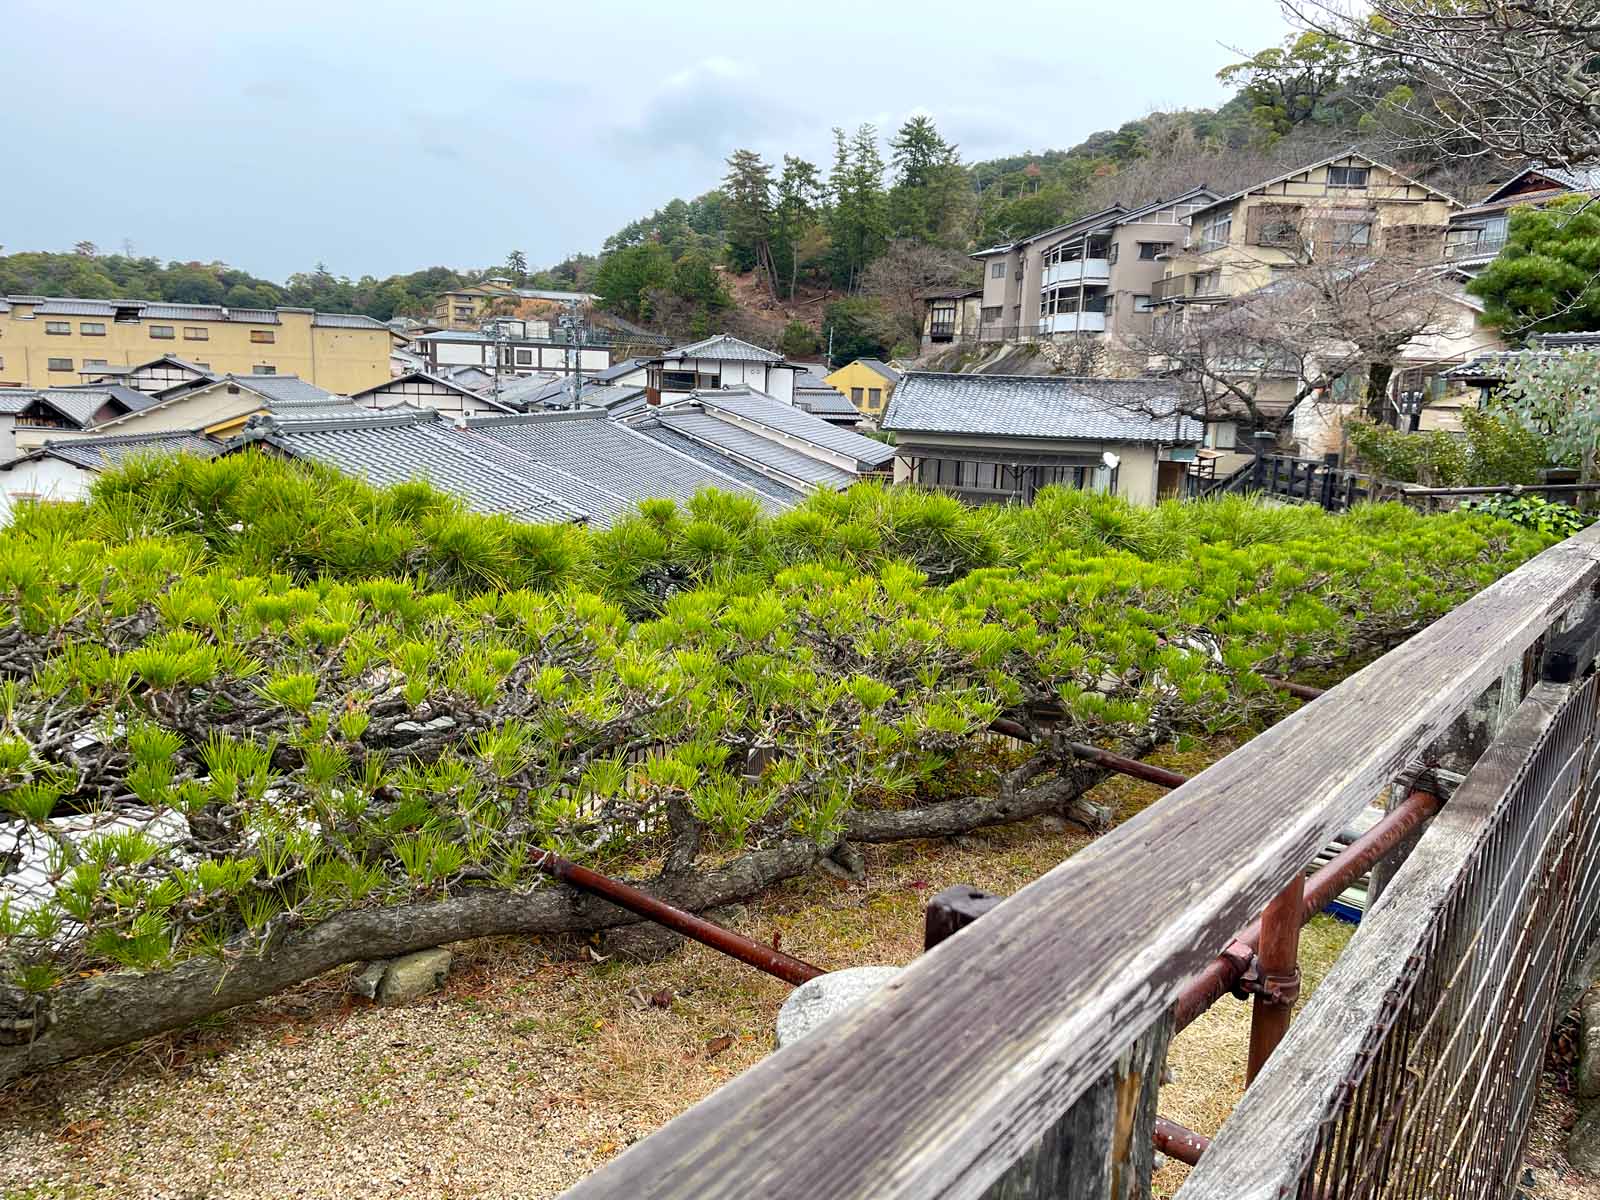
380	138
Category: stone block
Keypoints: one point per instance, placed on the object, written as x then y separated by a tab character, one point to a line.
816	1002
1588	1072
414	975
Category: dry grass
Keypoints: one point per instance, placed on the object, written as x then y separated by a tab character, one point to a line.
535	1064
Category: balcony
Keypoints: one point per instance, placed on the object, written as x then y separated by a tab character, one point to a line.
1078	322
1174	287
1484	247
1082	270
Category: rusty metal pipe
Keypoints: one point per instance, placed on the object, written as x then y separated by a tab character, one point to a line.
707	933
1279	967
1175	1141
1222	974
1127	766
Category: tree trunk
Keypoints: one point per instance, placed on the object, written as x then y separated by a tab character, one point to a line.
1378	376
116	1008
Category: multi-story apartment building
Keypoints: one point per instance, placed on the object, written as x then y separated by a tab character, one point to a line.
55	342
1093	276
465	309
1345	204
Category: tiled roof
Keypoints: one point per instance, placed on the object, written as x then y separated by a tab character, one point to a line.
627	464
346	321
14	400
398	447
716	459
1041	406
881	368
773	414
616	370
825	402
283	388
95	453
335	408
77	405
726	348
409	376
752	447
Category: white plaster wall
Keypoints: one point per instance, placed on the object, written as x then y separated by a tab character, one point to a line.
41	479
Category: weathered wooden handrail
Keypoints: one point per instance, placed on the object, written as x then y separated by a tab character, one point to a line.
1003	1034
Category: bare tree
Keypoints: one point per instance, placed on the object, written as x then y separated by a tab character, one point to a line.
1333	313
1514	78
904	272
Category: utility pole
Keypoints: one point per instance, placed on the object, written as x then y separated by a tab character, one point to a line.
570	320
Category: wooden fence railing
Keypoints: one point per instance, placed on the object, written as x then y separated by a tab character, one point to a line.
1020	1058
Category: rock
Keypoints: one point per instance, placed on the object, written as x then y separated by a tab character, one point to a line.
1054	823
645	942
1587	1076
1583	1145
818	1001
846	862
414	975
365	978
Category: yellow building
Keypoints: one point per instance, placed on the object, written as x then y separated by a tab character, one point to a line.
867	383
1345	204
54	342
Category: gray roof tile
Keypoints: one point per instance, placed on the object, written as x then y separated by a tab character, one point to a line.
726	348
786	418
626	464
753	447
95	453
765	484
1041	406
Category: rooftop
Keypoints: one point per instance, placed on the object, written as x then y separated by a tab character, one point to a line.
159	310
1059	407
725	348
753	407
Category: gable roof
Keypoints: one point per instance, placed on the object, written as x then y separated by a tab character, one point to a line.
725	347
827	403
76	405
881	368
748	405
1323	162
400	446
752	447
424	376
98	453
1059	407
785	493
271	390
1576	179
627	465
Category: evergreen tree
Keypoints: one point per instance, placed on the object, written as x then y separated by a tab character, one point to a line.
929	182
627	276
747	192
795	218
1545	279
859	221
517	267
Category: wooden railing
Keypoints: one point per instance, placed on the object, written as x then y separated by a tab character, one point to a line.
1021	1057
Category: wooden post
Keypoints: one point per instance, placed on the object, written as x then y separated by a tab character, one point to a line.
1102	1148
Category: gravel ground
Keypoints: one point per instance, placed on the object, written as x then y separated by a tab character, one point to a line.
539	1061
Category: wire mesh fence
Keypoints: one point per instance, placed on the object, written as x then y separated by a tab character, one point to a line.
1439	1097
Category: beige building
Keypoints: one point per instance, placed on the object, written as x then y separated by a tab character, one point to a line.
467	308
1347	204
1094	276
55	342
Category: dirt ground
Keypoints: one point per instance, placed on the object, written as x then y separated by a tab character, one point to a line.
534	1065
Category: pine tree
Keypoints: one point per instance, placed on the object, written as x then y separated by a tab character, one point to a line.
800	193
747	192
860	219
929	181
517	266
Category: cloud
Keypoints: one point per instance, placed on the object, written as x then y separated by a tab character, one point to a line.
710	108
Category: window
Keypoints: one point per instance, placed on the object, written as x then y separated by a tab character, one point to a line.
1353	177
997	269
683	381
524	358
1149	250
942	321
262	335
1142	304
58	328
990	315
1349	235
262	369
192	334
1111	254
874	397
92	364
60	364
463	311
1274	225
1218	231
92	328
855	396
1208	283
163	332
